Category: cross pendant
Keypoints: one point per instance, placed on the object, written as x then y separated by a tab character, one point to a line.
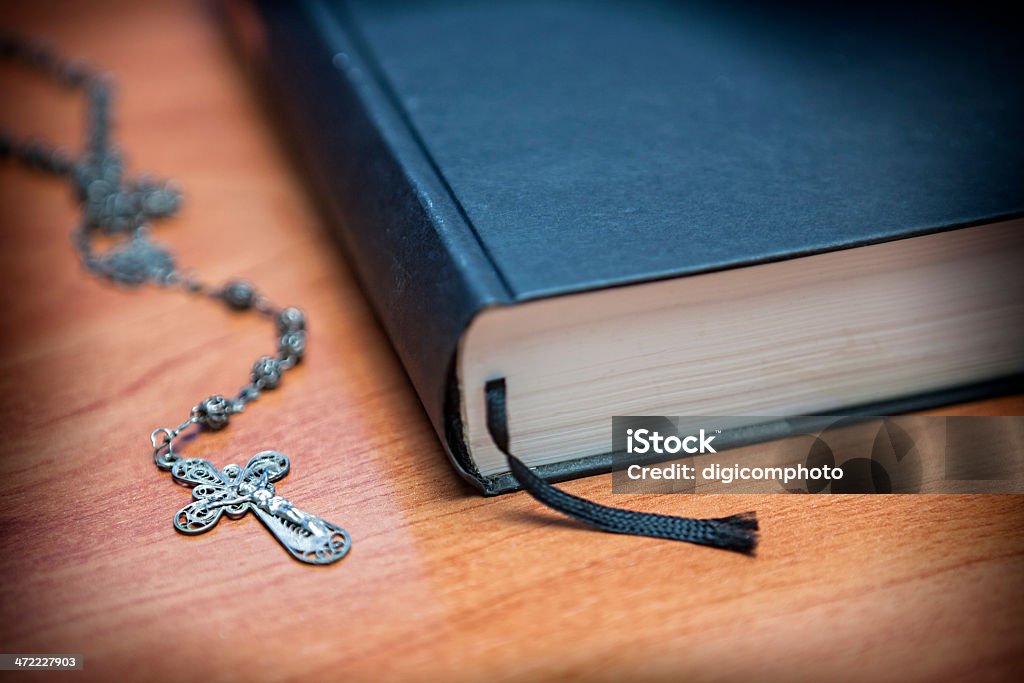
236	490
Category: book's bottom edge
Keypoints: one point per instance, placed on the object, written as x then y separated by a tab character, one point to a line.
602	463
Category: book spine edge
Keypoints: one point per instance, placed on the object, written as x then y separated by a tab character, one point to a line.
414	253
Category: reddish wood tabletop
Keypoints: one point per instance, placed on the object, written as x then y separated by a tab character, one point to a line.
442	584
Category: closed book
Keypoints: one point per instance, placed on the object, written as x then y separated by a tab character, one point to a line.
664	208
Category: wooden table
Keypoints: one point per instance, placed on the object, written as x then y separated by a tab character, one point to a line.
442	584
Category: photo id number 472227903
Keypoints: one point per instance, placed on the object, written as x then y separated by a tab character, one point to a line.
20	662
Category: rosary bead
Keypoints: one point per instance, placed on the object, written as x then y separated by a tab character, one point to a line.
266	373
105	166
213	413
159	200
134	262
292	345
291	319
239	294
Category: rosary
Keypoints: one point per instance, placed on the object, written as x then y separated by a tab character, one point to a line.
113	206
119	208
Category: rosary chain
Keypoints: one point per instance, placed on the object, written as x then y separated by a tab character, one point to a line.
119	207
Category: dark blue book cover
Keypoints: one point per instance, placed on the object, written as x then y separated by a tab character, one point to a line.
483	153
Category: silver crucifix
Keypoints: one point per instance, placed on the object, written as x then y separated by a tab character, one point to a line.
236	490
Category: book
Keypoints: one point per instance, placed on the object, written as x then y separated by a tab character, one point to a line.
663	208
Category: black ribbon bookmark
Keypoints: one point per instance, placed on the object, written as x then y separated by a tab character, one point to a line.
738	532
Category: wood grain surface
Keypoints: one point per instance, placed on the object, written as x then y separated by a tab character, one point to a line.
441	584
